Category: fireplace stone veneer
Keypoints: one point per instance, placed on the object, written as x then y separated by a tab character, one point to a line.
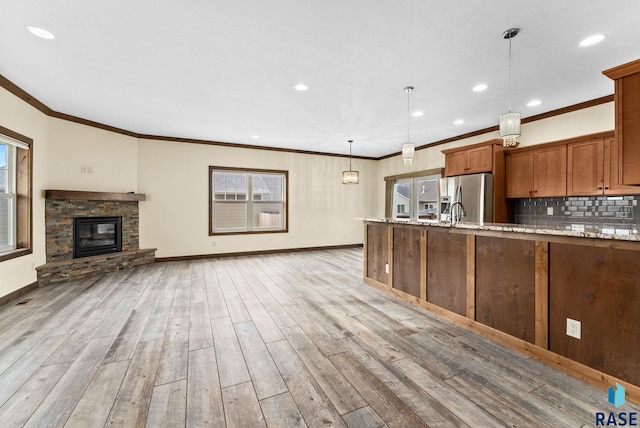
61	207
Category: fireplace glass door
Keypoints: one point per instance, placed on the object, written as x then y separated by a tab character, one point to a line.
96	235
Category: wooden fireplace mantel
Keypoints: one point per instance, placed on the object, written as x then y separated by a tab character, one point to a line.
93	196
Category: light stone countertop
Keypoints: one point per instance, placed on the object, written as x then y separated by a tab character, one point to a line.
629	233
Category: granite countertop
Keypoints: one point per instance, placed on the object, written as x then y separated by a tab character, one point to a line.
629	233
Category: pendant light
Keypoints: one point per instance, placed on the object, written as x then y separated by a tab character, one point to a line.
350	177
510	121
408	149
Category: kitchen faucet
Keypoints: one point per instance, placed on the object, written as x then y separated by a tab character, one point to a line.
456	215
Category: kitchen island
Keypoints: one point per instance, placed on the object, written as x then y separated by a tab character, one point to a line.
525	287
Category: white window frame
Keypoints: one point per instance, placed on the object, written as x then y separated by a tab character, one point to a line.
10	195
250	203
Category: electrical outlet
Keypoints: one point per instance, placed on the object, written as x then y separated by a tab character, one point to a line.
573	328
89	170
83	169
213	243
549	210
386	268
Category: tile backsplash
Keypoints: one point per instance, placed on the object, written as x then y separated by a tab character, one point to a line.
590	212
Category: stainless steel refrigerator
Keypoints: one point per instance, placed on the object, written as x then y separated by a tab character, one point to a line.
470	196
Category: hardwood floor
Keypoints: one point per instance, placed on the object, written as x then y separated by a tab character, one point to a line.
279	341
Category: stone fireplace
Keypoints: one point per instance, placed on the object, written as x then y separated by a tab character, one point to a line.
90	214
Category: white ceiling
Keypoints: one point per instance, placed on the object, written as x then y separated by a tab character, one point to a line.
225	70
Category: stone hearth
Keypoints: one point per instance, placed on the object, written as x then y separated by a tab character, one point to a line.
60	209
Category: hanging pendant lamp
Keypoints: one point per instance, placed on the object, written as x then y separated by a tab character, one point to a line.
408	149
510	121
350	177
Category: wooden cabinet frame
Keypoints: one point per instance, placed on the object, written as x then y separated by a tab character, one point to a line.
592	167
537	172
542	257
473	159
627	128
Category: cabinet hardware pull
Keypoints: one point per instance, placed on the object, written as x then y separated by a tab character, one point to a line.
606	187
599	188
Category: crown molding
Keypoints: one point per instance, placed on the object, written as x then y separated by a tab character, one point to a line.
34	102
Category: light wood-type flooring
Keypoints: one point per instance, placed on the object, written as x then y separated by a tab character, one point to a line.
278	340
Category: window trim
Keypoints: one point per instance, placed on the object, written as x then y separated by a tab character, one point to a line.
248	171
24	196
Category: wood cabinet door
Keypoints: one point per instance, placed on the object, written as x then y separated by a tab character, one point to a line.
456	163
519	174
479	159
550	171
613	170
585	168
628	111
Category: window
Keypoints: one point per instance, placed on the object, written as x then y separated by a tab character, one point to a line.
247	201
413	196
15	194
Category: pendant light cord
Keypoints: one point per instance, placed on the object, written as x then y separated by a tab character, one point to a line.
350	141
510	74
510	34
408	113
408	90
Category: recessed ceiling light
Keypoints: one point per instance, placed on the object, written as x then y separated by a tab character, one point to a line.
255	136
592	40
480	87
417	113
301	87
534	103
40	32
458	122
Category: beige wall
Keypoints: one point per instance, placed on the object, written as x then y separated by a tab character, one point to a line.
174	176
111	158
26	120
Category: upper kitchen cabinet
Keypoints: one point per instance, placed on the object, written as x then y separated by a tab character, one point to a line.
586	175
533	173
593	168
627	128
519	181
550	171
486	157
472	159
